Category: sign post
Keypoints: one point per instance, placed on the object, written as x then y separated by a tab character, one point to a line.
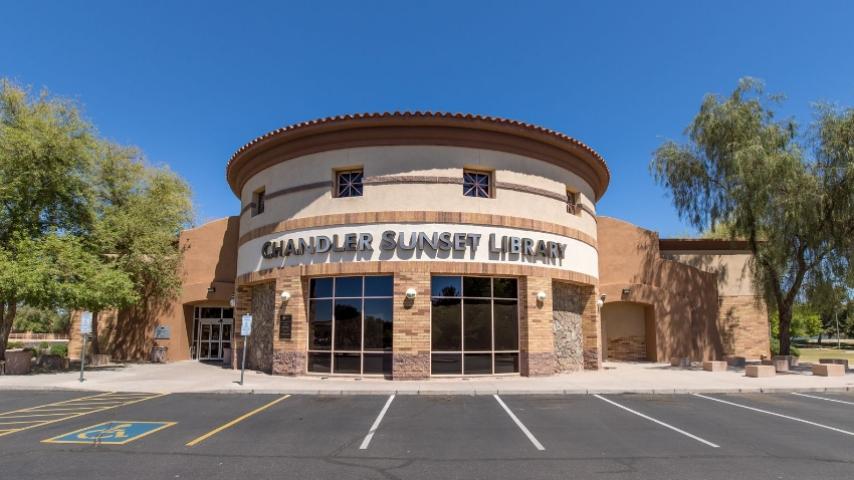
85	330
245	332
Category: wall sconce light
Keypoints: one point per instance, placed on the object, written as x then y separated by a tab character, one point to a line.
601	301
286	295
541	296
627	291
411	293
211	289
231	301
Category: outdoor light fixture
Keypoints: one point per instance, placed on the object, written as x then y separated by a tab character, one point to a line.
286	295
541	296
231	302
627	291
411	293
601	301
211	289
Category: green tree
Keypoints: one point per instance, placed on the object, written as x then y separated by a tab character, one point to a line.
84	223
41	320
743	168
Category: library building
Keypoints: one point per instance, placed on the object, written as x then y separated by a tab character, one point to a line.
418	245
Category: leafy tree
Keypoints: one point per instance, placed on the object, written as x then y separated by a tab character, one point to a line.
84	223
40	320
743	168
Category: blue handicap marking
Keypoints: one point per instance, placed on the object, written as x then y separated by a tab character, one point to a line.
111	433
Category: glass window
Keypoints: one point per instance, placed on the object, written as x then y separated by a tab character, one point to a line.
349	183
348	324
446	286
348	287
477	286
258	199
379	286
378	326
320	288
446	324
339	311
474	325
211	312
571	202
477	184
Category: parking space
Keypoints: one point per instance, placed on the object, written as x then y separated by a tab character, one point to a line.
632	436
16	400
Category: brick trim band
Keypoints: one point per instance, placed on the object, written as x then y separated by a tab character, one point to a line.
458	268
463	218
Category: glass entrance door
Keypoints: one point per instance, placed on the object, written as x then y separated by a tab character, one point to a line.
214	331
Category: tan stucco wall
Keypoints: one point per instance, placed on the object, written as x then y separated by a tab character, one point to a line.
685	300
429	161
731	267
209	260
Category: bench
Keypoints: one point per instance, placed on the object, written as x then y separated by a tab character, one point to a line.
828	369
714	366
836	361
760	371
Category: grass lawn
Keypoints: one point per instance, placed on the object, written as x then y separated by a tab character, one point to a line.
813	354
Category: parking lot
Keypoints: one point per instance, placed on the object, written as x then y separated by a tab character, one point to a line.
130	436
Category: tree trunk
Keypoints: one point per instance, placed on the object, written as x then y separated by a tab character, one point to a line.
819	338
7	318
785	312
93	340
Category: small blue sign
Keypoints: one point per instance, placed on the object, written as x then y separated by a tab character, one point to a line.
111	433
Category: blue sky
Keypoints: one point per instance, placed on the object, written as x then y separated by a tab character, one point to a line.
189	82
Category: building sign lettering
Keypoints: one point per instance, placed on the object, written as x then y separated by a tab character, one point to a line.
420	241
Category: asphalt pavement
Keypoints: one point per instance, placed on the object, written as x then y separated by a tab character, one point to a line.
236	436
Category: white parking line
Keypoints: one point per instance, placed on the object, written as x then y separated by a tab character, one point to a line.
768	412
531	437
822	398
666	425
376	425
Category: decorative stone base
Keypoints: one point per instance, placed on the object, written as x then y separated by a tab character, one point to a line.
288	363
411	366
535	364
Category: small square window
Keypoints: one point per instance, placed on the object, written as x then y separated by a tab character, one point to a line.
349	183
477	184
571	202
258	199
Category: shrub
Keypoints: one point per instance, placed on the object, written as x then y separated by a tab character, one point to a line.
60	349
775	348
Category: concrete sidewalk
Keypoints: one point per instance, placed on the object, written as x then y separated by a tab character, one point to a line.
191	376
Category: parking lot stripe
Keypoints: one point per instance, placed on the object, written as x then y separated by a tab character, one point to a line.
37	414
834	400
531	437
376	425
768	412
659	422
234	422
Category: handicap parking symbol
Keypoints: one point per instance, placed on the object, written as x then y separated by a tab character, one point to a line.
111	433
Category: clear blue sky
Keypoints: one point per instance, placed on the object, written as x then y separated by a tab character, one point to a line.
189	82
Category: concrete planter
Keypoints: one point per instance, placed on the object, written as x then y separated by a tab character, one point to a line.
760	371
734	361
18	362
835	361
790	359
158	354
714	366
680	362
828	369
53	362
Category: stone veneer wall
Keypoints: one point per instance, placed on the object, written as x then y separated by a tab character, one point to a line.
411	340
289	355
260	353
569	302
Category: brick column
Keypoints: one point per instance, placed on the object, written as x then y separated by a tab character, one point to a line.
289	355
536	335
411	339
591	328
242	305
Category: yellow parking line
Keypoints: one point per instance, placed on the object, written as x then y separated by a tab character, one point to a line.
28	415
237	420
69	415
22	421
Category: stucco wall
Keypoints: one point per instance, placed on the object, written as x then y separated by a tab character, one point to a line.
417	161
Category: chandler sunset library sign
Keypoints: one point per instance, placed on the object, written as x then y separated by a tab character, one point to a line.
418	241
